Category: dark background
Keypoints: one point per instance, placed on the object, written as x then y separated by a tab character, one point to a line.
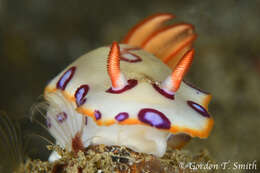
38	38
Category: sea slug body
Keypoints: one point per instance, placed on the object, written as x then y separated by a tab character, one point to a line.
130	93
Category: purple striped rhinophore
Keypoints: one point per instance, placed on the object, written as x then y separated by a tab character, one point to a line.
65	78
198	108
80	94
154	118
97	114
61	117
121	116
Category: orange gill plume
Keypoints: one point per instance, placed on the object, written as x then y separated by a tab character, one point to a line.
113	67
168	43
139	33
173	82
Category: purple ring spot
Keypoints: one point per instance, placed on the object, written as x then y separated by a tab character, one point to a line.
135	58
162	92
198	108
97	114
65	78
131	83
121	116
80	94
154	118
61	117
48	122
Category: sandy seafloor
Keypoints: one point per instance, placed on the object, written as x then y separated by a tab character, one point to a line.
39	38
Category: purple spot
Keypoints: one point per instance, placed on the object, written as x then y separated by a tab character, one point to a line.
48	122
65	78
198	108
131	83
154	118
86	120
62	116
97	114
162	92
122	116
80	94
130	57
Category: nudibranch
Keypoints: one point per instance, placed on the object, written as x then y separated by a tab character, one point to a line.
131	93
